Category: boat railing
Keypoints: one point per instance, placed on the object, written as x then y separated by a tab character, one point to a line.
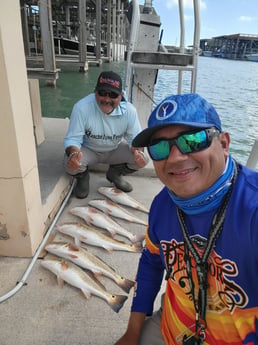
252	160
135	23
146	56
165	62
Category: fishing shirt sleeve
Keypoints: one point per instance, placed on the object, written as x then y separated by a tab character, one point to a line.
76	130
150	270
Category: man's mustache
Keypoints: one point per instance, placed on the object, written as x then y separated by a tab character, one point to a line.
107	103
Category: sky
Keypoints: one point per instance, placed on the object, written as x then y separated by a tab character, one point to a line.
218	17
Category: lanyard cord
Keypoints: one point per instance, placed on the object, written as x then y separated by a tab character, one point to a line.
202	262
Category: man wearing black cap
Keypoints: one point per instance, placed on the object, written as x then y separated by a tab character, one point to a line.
101	129
202	235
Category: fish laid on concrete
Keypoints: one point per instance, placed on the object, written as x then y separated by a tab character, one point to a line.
89	235
121	197
92	216
85	259
75	276
111	208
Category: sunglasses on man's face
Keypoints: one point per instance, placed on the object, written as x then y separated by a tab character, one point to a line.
188	142
110	94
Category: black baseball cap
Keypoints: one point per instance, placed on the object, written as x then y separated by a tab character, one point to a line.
110	81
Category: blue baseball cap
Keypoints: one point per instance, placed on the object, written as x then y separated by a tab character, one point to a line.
186	109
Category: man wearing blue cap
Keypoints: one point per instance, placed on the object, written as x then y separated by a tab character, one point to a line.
203	233
101	129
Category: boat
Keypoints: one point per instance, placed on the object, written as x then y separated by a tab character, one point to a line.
65	45
252	57
207	53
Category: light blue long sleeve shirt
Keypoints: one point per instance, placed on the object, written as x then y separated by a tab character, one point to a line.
100	132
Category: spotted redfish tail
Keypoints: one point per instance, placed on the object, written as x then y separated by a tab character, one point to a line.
126	284
116	302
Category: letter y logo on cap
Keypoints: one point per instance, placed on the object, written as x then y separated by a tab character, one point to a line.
166	110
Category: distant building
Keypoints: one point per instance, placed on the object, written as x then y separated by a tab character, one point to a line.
236	46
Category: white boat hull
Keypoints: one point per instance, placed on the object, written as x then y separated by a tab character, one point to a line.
252	57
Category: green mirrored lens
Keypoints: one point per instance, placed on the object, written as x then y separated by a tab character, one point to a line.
186	143
192	142
160	150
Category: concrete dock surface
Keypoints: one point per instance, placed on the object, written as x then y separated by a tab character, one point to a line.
42	313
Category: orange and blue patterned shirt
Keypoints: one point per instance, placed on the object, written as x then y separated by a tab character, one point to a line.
232	295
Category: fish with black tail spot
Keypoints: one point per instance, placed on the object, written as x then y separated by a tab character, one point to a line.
94	217
122	198
92	236
83	258
111	208
75	276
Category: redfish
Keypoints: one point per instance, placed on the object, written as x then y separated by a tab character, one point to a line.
121	197
85	259
89	235
92	216
111	208
75	276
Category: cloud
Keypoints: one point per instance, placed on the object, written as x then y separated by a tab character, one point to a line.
187	4
245	19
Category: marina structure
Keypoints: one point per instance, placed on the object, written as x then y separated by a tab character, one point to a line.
235	46
74	32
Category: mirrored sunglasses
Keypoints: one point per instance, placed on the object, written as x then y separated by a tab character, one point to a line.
188	142
110	94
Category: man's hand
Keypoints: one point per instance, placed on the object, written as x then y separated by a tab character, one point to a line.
139	158
74	160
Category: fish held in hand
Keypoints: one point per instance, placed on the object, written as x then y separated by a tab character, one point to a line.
75	276
89	235
121	197
92	216
83	258
111	208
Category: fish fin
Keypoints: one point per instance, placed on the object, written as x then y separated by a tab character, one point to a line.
94	276
86	294
73	247
77	241
109	233
110	250
112	233
93	210
137	247
64	265
73	256
60	282
97	274
116	302
99	283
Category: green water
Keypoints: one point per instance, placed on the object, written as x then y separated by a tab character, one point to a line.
71	86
